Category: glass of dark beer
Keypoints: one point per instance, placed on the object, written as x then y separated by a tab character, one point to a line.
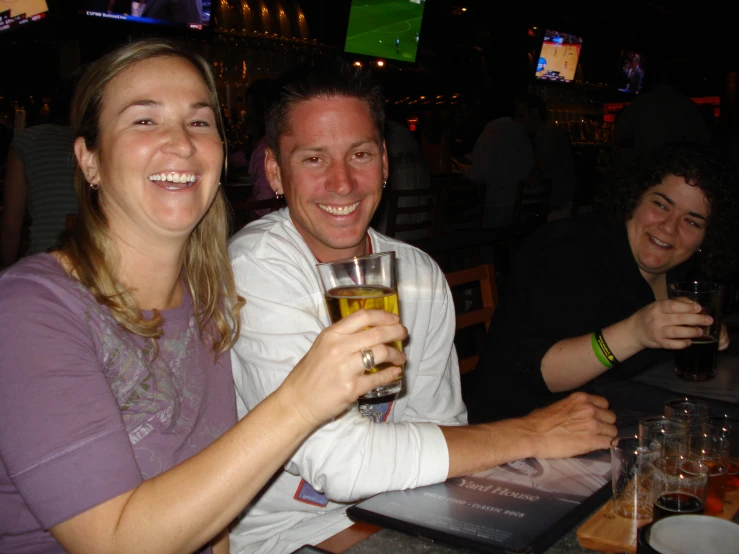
680	486
697	362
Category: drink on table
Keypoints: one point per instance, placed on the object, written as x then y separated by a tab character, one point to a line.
716	490
729	428
680	486
697	362
695	413
363	283
711	446
676	504
732	477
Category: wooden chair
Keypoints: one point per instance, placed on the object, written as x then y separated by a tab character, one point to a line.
244	210
475	295
532	203
412	213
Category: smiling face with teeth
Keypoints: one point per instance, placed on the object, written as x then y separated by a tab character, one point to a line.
667	226
159	153
332	166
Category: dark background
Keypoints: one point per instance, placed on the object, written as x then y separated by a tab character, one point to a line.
695	40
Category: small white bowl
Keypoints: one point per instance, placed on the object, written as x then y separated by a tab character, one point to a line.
694	535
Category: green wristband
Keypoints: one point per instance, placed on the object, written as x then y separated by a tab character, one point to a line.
596	339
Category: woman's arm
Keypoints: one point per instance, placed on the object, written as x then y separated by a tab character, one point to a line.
220	544
669	324
14	209
187	506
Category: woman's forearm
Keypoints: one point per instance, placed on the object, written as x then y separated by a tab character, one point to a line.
190	504
572	362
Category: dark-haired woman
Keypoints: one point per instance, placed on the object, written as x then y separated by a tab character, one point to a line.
578	284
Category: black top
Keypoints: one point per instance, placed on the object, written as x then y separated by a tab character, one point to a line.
570	278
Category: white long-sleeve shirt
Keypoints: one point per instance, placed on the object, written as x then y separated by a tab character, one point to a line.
351	457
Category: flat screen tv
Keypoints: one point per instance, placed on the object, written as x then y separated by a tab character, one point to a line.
558	58
631	69
21	12
387	29
193	14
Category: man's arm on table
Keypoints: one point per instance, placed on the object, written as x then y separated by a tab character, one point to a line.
575	425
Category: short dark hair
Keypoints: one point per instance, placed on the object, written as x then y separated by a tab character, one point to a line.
325	78
700	165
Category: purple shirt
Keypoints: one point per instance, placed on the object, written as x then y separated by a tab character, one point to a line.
85	414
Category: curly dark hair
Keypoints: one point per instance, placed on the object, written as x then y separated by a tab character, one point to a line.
700	166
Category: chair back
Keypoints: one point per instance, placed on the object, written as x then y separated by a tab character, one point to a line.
411	214
475	294
532	202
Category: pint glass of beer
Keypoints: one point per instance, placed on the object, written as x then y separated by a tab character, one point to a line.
697	362
680	485
363	283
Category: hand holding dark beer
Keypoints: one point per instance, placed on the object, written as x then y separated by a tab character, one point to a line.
697	361
670	324
331	375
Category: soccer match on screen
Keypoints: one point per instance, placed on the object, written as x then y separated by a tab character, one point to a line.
385	28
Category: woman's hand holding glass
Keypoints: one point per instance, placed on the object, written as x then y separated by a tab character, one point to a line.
669	324
332	375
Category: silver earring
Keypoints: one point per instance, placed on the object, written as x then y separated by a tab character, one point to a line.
94	186
278	195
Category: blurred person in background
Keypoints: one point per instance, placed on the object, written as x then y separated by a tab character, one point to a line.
39	179
502	157
553	159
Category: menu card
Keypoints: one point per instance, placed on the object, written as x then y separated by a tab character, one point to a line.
522	506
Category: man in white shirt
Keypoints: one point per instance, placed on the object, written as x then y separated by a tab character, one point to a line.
327	156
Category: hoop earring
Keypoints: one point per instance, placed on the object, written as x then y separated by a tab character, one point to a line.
278	195
94	186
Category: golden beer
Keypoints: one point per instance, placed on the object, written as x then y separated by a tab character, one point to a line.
344	301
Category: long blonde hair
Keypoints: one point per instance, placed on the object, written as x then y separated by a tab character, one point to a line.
92	253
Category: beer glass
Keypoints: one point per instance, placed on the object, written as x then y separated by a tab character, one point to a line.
729	428
632	467
694	413
680	486
697	362
669	434
363	283
712	448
